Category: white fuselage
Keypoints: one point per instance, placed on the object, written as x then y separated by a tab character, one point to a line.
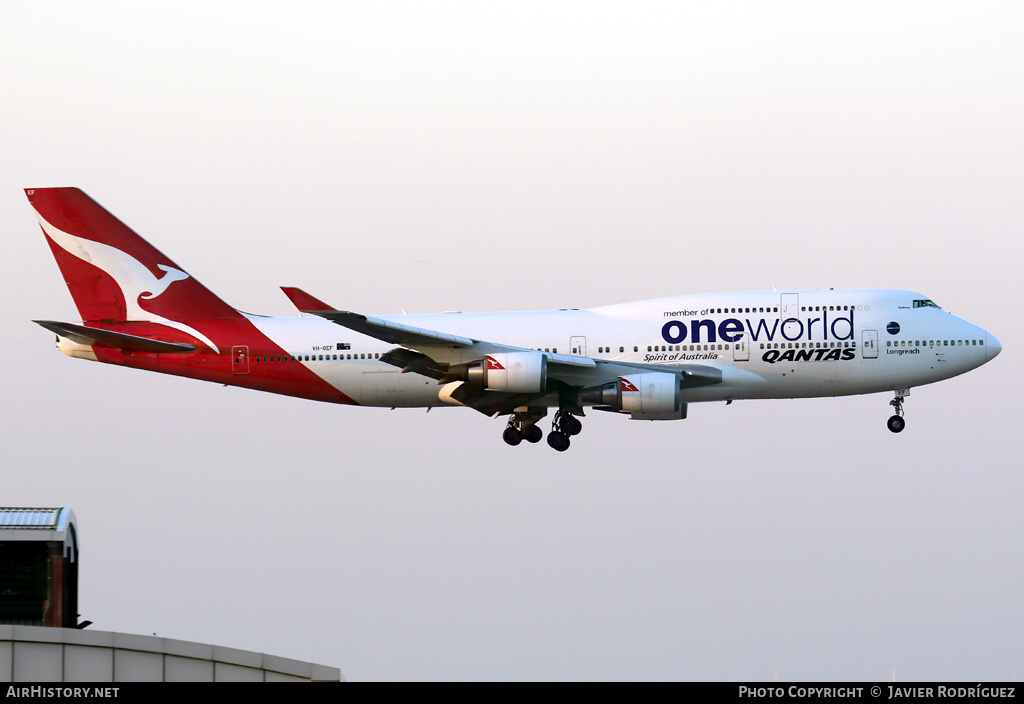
766	344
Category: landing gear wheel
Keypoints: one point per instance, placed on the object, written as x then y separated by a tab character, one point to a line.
532	433
896	423
558	441
512	436
565	423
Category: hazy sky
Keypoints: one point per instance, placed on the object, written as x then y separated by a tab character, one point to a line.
426	157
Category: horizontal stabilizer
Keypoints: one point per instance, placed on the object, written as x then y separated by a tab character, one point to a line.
95	337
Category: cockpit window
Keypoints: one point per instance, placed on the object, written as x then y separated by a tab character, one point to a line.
924	303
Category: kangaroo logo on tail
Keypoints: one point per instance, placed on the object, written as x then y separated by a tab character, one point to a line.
132	276
164	281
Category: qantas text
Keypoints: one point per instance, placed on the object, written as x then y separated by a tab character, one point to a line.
819	355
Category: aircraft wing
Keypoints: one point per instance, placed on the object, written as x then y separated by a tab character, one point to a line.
437	349
432	342
395	333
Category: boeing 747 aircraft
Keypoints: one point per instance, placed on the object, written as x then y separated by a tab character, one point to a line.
647	360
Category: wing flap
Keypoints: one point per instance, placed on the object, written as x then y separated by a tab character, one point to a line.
411	361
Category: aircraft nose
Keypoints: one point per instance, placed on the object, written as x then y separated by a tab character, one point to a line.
994	346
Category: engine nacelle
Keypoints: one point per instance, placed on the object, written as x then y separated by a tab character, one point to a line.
646	396
511	372
653	392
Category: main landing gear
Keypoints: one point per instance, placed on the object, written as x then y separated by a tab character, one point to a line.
522	427
563	426
896	423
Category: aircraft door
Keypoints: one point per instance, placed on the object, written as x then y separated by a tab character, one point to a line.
869	344
789	306
741	349
240	359
578	346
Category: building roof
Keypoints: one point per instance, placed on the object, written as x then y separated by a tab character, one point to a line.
36	524
44	518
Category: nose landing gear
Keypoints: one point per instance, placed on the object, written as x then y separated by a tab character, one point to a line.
896	423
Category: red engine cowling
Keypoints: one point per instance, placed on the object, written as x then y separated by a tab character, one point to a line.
511	372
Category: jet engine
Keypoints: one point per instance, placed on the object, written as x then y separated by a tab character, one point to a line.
646	396
512	372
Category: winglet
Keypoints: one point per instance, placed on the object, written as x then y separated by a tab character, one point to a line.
303	301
